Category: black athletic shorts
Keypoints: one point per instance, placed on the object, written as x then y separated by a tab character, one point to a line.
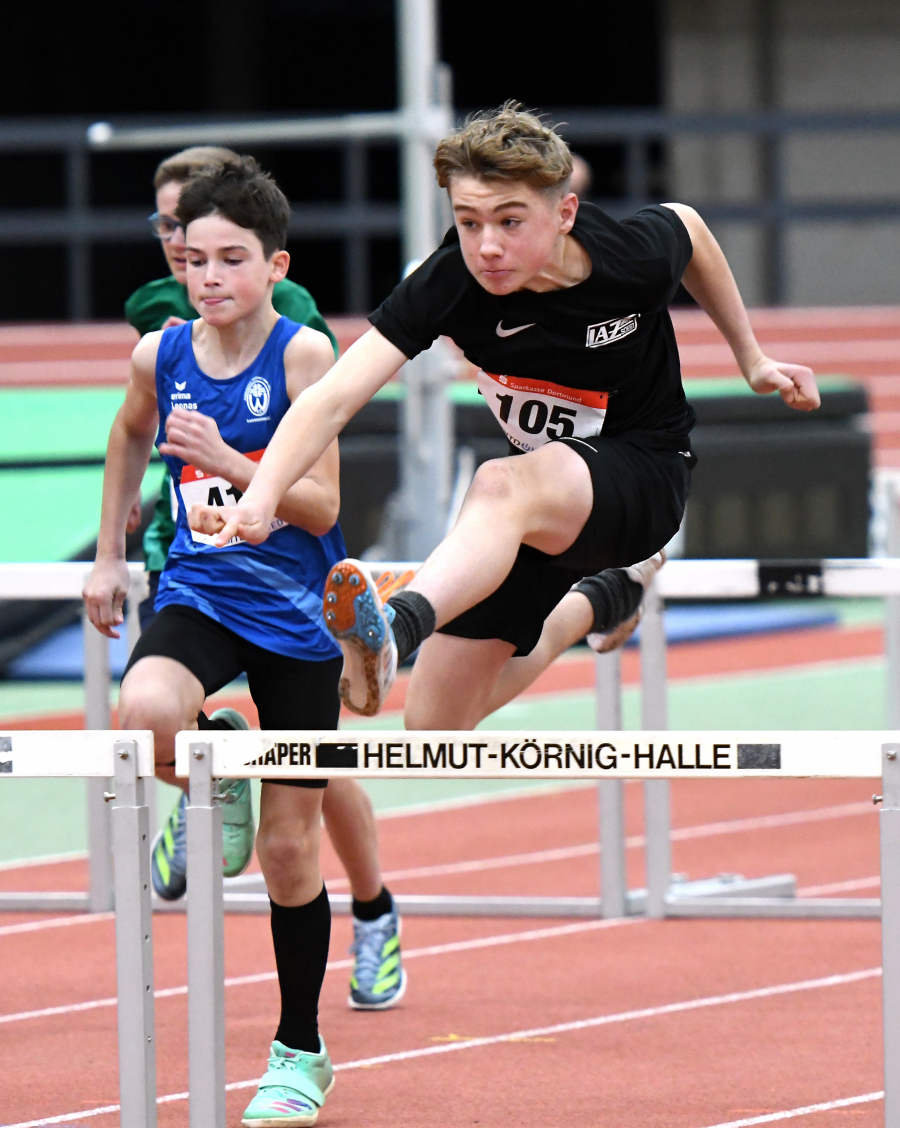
641	481
289	693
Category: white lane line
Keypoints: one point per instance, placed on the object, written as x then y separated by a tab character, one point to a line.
43	860
534	1032
587	849
55	922
339	965
806	1110
851	886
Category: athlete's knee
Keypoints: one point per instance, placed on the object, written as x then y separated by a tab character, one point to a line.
145	703
495	480
286	848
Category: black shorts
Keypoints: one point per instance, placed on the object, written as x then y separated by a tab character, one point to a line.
289	693
641	481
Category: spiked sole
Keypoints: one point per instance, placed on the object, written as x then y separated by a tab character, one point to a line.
352	611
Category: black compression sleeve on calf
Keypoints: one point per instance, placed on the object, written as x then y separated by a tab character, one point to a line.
613	595
414	621
300	936
372	910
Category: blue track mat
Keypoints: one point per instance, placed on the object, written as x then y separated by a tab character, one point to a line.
691	624
61	657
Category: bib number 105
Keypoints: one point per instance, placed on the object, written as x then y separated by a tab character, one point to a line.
534	417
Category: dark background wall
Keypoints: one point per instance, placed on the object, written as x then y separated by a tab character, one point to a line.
101	59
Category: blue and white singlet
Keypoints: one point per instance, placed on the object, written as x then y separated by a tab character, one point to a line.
269	594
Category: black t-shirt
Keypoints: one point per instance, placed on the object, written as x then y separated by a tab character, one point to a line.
610	333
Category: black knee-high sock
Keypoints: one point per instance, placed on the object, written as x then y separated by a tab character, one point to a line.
414	621
372	910
203	722
300	936
613	595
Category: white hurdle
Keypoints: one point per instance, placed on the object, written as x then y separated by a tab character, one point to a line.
655	757
125	758
64	581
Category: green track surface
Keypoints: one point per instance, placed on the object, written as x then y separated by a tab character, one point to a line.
57	423
55	511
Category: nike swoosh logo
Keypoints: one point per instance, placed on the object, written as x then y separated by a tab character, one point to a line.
501	332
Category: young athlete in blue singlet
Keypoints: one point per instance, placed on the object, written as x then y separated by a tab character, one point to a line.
216	390
346	807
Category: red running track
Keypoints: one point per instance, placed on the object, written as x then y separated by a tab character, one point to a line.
686	1024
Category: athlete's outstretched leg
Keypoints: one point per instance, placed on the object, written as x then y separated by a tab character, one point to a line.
541	499
452	681
605	608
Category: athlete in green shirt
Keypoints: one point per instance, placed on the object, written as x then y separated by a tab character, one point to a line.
378	980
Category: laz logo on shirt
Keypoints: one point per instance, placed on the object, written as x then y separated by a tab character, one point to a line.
605	332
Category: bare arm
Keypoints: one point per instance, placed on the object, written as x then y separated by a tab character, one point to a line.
313	423
127	455
313	502
708	279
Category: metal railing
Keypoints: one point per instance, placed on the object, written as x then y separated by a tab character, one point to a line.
356	220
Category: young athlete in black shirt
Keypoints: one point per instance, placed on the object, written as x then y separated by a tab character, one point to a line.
565	312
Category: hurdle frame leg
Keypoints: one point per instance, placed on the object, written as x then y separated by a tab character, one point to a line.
134	943
206	946
613	874
97	716
655	715
889	820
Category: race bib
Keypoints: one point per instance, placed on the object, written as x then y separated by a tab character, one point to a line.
200	488
532	412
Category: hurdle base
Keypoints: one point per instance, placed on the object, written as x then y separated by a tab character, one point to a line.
777	908
247	895
44	902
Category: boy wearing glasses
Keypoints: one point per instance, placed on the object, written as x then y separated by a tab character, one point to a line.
377	981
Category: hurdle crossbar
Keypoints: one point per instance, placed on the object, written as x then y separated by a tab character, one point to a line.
655	756
126	759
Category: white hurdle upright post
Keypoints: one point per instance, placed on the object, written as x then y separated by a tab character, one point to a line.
206	944
97	716
655	715
892	615
134	941
127	758
890	929
613	872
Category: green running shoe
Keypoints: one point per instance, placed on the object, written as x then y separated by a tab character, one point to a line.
168	855
379	979
292	1090
238	832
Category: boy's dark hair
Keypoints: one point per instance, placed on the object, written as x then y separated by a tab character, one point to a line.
243	193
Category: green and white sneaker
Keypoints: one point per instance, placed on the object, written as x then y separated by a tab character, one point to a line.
292	1090
378	981
168	854
238	832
